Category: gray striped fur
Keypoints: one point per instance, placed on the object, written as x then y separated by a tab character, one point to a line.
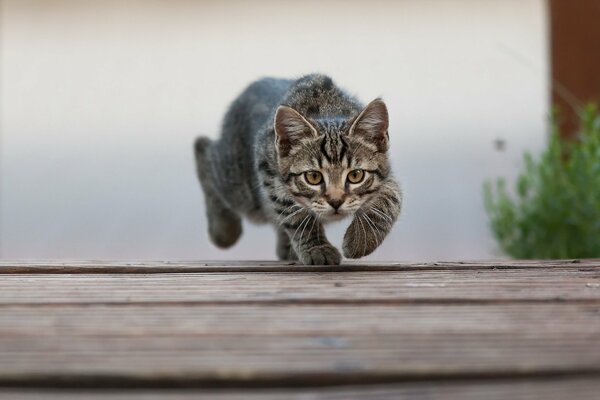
273	133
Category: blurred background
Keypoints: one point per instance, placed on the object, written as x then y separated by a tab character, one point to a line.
101	100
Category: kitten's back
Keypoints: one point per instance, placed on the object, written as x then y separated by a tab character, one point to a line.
233	153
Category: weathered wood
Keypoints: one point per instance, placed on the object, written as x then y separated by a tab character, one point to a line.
531	389
484	285
262	325
328	344
154	267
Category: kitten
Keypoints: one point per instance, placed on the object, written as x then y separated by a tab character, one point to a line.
298	154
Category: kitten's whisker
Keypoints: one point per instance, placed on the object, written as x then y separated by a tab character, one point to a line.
290	216
301	223
302	233
364	232
313	225
288	208
381	234
373	228
284	210
382	214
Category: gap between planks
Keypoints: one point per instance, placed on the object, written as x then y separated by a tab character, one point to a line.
157	267
530	389
308	302
296	380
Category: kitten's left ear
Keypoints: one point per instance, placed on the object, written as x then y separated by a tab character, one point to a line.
372	124
290	129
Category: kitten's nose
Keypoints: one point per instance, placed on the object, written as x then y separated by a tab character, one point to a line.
335	203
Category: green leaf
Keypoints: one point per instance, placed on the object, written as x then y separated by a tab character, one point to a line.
556	212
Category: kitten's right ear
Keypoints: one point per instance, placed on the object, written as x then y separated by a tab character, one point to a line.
291	127
372	124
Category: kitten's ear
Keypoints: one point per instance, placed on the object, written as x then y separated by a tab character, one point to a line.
291	127
372	124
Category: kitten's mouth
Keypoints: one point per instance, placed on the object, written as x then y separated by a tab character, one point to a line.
336	215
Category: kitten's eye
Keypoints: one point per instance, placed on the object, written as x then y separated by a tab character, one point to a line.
313	177
356	176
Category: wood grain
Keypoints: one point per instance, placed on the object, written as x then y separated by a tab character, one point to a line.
329	344
360	287
504	329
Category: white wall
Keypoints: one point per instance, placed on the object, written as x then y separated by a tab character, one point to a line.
101	101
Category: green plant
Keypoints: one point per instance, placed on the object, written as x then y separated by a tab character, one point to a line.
555	210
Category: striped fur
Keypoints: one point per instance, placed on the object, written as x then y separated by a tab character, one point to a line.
275	132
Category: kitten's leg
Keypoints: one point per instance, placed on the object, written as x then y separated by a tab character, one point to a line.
224	225
372	222
285	251
308	239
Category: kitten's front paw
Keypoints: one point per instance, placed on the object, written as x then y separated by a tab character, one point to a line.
359	240
324	254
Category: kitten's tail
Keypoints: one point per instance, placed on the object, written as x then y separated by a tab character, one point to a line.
200	145
224	225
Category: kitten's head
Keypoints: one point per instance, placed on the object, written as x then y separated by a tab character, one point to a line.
333	165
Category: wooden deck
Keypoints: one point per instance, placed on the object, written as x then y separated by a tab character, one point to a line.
192	330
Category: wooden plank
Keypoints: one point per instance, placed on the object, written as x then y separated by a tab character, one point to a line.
534	389
152	267
485	285
265	345
263	325
138	320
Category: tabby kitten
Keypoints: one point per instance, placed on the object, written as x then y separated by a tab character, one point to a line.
298	154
